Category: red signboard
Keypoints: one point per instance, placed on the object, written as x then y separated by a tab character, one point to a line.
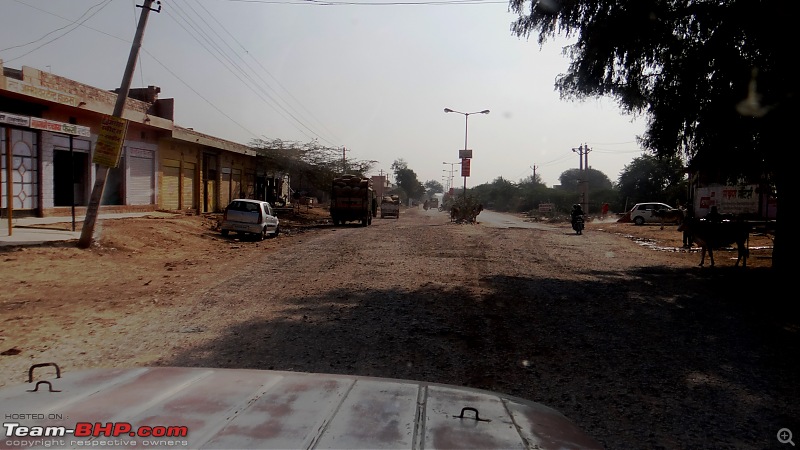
465	167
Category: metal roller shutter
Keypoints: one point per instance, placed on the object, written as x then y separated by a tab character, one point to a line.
170	184
188	200
140	189
225	187
236	183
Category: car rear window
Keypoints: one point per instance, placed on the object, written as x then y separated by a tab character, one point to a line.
243	206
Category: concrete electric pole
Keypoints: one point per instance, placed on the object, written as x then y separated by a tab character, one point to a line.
101	170
583	181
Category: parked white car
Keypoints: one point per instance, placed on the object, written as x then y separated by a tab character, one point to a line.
245	216
642	213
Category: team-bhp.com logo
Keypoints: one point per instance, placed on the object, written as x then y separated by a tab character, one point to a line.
97	429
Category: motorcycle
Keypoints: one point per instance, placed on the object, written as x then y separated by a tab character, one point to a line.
578	224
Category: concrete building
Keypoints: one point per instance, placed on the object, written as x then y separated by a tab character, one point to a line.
49	128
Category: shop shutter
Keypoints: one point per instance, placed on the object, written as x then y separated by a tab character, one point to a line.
249	184
236	183
225	187
169	184
189	201
140	188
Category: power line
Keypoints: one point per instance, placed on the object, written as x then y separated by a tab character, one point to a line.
77	24
197	93
264	82
258	90
270	74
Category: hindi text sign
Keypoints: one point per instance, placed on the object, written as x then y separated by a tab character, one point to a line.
465	167
109	141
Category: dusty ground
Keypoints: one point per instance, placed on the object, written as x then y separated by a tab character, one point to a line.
617	328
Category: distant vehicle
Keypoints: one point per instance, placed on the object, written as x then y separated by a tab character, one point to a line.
642	213
353	200
197	407
254	217
390	206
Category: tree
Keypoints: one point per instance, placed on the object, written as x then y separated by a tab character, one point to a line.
596	179
407	180
651	179
433	187
714	79
314	164
600	187
499	195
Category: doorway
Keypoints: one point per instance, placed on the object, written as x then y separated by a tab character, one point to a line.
70	175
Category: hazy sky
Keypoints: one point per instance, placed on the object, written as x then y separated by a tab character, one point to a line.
372	76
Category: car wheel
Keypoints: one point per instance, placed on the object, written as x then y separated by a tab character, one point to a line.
224	233
275	234
263	234
639	220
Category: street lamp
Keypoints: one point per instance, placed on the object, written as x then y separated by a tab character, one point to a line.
452	170
466	128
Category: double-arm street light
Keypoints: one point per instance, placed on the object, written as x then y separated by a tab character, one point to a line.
452	170
466	128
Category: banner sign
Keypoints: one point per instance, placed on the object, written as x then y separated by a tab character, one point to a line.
465	167
728	199
60	127
465	154
109	141
13	119
546	207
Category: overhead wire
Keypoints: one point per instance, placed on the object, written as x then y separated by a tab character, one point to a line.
198	93
144	49
192	24
269	73
294	113
77	24
254	86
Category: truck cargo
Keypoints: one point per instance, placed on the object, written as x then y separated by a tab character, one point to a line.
390	206
353	200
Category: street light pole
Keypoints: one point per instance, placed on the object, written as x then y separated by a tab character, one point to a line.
452	170
466	130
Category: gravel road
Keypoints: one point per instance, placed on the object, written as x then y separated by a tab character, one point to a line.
638	347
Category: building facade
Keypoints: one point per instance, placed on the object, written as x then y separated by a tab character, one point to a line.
49	128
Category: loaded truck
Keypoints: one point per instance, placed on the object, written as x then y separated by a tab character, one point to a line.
390	206
353	200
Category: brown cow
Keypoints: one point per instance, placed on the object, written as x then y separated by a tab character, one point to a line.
711	235
669	215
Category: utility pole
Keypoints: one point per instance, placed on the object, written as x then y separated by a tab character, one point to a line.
583	181
534	173
101	170
344	160
586	151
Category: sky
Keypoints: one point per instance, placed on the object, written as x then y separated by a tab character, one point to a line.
371	77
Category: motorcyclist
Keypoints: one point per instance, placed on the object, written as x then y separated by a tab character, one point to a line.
577	211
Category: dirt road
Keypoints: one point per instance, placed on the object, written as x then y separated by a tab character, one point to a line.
638	347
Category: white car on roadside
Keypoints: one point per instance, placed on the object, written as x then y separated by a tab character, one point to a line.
246	216
642	213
